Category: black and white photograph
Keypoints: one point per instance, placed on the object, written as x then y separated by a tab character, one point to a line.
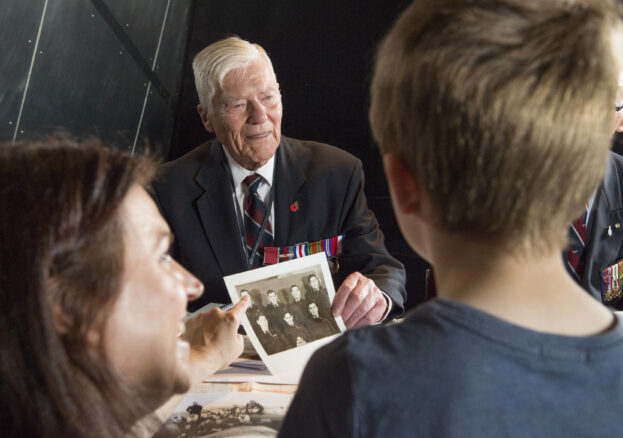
290	305
289	310
234	414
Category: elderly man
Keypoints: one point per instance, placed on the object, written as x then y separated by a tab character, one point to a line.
251	188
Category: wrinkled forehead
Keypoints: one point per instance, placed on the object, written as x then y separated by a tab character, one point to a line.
255	77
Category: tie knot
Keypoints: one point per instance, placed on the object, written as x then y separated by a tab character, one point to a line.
252	182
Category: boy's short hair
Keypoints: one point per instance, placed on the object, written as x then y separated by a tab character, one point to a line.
502	109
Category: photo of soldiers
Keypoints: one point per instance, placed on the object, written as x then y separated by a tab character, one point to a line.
289	311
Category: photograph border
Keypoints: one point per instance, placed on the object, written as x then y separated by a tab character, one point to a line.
293	360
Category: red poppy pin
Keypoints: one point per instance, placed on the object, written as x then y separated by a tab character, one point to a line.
294	206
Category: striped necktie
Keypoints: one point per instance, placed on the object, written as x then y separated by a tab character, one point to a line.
575	255
254	213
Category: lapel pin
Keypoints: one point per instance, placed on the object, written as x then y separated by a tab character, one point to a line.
610	230
294	206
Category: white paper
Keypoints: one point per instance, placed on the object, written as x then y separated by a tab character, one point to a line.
277	346
238	375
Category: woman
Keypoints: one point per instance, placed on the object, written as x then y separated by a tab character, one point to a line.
92	303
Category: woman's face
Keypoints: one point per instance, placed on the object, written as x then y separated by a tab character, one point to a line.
141	334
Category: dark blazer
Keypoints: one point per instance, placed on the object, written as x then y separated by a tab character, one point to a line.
194	194
602	248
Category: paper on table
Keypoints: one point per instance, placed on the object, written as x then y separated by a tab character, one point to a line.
233	374
249	363
232	414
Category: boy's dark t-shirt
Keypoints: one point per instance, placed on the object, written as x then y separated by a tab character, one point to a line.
449	370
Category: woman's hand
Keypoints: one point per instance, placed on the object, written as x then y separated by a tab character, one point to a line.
214	339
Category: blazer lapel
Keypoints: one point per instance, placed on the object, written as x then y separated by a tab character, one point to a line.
289	177
217	213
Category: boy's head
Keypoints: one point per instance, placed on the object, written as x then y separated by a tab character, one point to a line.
501	110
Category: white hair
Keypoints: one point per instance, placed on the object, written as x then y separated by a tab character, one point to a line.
212	64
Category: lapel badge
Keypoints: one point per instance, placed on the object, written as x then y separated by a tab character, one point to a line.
609	231
294	206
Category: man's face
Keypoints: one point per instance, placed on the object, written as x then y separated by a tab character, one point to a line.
146	350
296	293
288	319
262	322
313	309
313	282
246	115
272	297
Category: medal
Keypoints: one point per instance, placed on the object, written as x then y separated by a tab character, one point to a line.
332	247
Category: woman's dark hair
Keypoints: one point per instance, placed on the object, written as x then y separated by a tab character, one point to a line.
61	265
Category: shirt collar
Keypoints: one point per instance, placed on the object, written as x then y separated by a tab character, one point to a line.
239	173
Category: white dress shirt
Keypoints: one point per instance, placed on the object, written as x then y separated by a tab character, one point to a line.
239	173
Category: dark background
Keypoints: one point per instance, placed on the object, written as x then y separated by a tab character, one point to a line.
110	68
120	70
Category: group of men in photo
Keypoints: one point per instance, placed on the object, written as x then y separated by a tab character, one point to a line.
288	319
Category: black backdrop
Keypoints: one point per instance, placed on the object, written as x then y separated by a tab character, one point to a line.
322	52
110	68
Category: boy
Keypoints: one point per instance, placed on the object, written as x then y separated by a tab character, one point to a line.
493	118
